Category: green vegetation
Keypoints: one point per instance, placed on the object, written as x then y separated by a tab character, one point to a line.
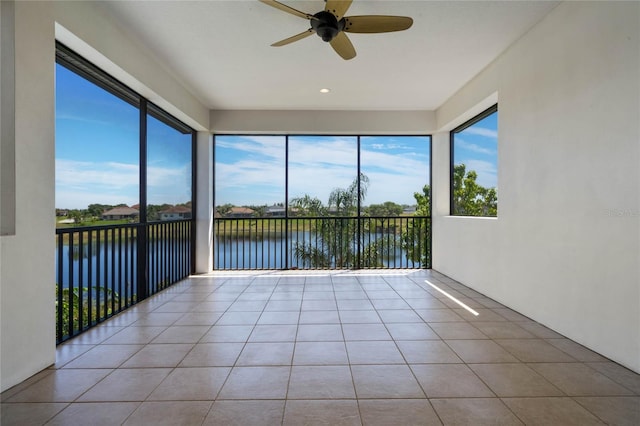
71	309
469	198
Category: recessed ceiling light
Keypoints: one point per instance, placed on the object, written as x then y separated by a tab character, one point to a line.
325	90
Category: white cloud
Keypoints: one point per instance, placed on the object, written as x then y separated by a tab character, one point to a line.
80	183
480	131
474	147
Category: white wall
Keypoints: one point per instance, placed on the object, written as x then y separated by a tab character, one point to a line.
27	292
27	269
565	248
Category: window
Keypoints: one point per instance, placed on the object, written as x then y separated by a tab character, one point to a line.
317	201
474	166
101	130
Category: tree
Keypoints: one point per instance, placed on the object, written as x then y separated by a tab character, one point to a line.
224	209
416	238
469	198
336	238
388	208
383	211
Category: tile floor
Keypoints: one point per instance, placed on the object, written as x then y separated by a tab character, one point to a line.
347	348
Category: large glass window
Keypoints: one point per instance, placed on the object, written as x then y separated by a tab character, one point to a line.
99	140
97	153
169	168
474	166
397	167
322	202
250	175
323	175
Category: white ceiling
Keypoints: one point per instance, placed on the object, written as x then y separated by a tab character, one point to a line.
220	51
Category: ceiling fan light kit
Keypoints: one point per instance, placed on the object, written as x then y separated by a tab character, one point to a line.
331	25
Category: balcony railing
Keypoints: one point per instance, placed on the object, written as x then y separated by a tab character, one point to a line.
322	243
103	270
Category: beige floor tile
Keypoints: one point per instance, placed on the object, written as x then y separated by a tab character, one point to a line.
426	302
256	383
274	333
427	352
135	335
243	413
227	334
365	332
212	355
374	352
359	317
170	413
66	353
319	332
191	384
484	314
411	331
320	353
159	355
399	316
275	305
405	412
439	315
450	381
620	410
319	305
514	380
480	351
239	318
321	382
388	304
551	411
28	413
199	318
503	330
540	330
247	306
385	381
105	356
475	411
60	386
158	319
579	380
534	350
280	353
330	413
182	334
577	351
319	317
289	317
619	374
131	384
97	334
94	413
456	330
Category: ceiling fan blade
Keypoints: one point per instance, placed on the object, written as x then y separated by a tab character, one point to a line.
293	38
338	7
343	47
376	23
287	9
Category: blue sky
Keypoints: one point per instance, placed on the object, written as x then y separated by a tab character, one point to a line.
97	158
477	148
97	150
250	170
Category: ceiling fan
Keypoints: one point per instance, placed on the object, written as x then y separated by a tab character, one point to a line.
331	25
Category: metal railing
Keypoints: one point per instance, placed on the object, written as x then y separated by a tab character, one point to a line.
103	270
396	242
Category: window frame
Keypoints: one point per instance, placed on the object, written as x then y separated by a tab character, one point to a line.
484	114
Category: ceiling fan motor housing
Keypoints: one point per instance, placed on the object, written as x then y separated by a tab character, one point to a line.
326	25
